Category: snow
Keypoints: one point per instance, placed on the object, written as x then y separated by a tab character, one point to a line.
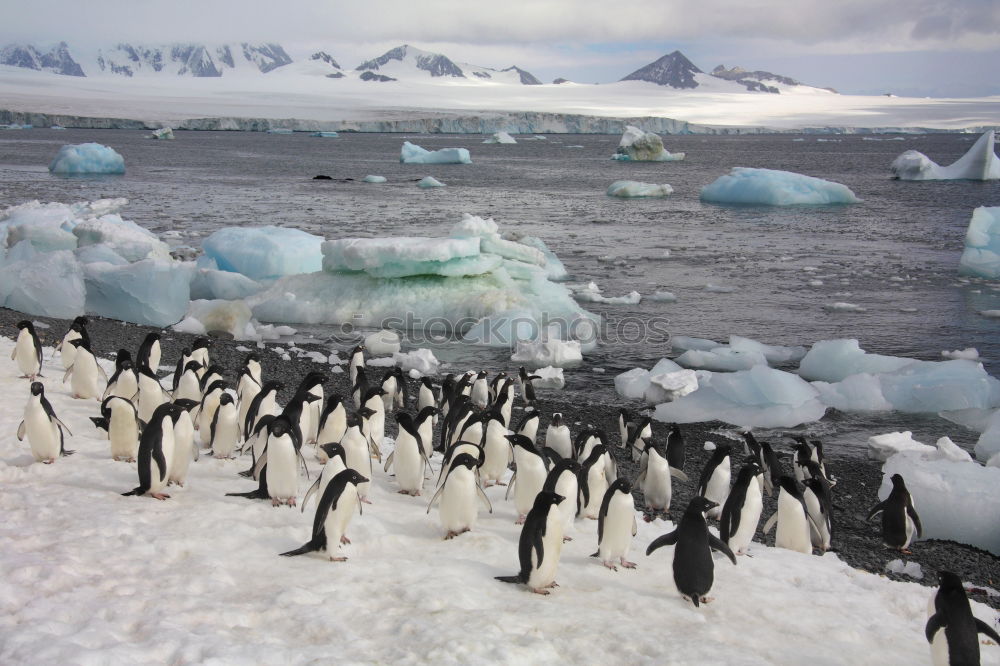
428	182
639	146
149	292
771	187
979	163
87	158
414	154
981	256
911	569
631	189
79	560
969	354
882	447
262	253
501	137
371	178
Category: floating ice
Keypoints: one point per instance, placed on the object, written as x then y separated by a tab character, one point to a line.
503	330
664	382
46	284
262	253
882	447
775	354
211	284
969	354
979	163
770	187
591	293
151	292
325	135
125	237
408	256
988	444
232	317
683	343
857	393
554	267
631	189
664	297
422	361
548	352
841	306
549	377
370	178
639	146
721	359
92	254
87	158
981	256
500	137
760	397
834	360
164	134
414	154
429	181
474	226
382	342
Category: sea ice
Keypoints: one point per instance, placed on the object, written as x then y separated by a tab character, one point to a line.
988	444
212	284
554	267
631	189
164	134
770	187
721	359
92	254
639	146
882	447
548	352
48	284
969	354
857	393
683	343
325	135
371	178
664	297
429	181
834	360
775	354
408	256
414	154
151	292
90	158
501	137
981	256
262	253
549	377
591	293
979	163
125	237
933	386
382	342
421	361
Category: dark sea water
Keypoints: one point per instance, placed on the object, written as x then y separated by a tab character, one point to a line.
895	254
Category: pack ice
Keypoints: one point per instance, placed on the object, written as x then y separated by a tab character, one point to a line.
631	189
771	187
979	163
84	158
639	146
414	154
981	256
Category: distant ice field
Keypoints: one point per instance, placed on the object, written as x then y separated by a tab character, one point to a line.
775	273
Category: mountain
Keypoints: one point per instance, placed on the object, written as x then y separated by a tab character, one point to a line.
196	60
323	58
406	61
56	60
757	80
673	70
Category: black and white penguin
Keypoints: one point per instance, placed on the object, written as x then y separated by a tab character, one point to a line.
426	396
358	450
558	438
424	424
224	431
210	375
815	448
952	630
795	527
187	385
312	384
120	418
156	451
199	352
564	479
527	387
460	495
265	403
770	466
694	569
714	482
676	453
209	404
741	512
149	352
594	481
124	382
480	393
333	514
77	330
27	351
504	400
819	505
639	435
408	460
332	423
357	361
151	392
85	373
655	481
540	544
336	462
529	475
900	521
528	425
282	459
585	442
624	422
375	422
44	430
616	525
185	448
497	451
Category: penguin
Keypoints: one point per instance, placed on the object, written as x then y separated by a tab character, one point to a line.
528	426
224	430
312	383
77	330
540	544
594	482
639	436
360	387
357	448
251	368
472	430
258	442
564	479
187	385
357	361
676	453
424	424
182	361
209	376
899	517
299	411
455	450
408	459
28	351
336	462
156	451
616	525
527	387
624	421
124	381
792	519
714	482
151	392
376	420
120	418
750	445
199	352
209	404
815	448
818	497
459	497
803	456
529	475
44	430
185	448
394	384
332	423
771	468
504	401
281	458
585	442
952	630
497	451
694	568
655	481
333	515
557	437
263	404
149	352
741	512
84	373
480	394
426	396
247	382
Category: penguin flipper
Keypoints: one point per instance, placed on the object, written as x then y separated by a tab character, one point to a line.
161	462
482	496
102	373
715	543
259	465
388	461
66	375
510	485
913	515
100	423
61	424
934	624
313	489
679	474
986	630
308	547
434	499
664	540
20	432
302	459
771	522
877	509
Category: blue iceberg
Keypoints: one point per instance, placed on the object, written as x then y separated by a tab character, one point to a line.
151	292
46	284
770	187
87	158
981	257
414	154
263	253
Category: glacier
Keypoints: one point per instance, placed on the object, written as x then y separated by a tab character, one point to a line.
414	154
978	163
981	256
637	145
771	187
87	158
631	189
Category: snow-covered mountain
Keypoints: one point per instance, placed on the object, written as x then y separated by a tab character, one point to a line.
408	62
189	59
758	80
56	60
673	69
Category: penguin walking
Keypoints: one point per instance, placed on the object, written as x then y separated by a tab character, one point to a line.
714	482
676	453
540	545
792	519
655	481
741	512
85	373
120	419
497	451
44	430
819	506
460	495
529	475
408	459
564	479
333	515
224	430
27	351
149	352
900	521
952	630
694	569
77	330
156	450
594	481
336	462
185	448
557	437
124	381
616	525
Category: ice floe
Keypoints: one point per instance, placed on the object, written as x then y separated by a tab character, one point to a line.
87	158
771	187
414	154
372	178
266	252
981	256
639	146
631	189
501	137
979	163
428	182
664	382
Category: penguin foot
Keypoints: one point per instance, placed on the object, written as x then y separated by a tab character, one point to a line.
520	520
499	483
159	496
610	565
540	591
648	517
906	551
707	600
339	558
49	461
290	502
553	584
627	564
567	538
275	501
365	500
344	540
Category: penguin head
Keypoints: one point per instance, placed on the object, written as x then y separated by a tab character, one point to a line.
192	366
253	357
949	581
365	412
897	482
520	440
79	321
312	379
199	343
353	476
556	420
25	324
187	404
80	343
360	349
546	499
464	460
279	427
333	450
426	381
226	399
802	452
701	504
270	386
622	485
37	388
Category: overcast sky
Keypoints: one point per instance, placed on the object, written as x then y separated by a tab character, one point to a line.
918	47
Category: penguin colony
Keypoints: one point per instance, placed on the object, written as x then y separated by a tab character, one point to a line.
556	481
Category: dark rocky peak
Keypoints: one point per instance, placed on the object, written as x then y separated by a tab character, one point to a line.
57	59
267	57
433	63
323	56
526	77
673	69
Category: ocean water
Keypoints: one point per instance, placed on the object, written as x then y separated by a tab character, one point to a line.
895	254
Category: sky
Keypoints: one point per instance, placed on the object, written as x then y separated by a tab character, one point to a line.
914	47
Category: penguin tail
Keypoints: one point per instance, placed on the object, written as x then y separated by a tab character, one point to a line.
67	452
597	554
253	494
134	491
247	473
696	600
308	547
510	579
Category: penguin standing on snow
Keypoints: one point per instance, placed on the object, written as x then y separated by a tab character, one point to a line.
357	361
84	373
156	450
655	481
151	392
333	514
795	526
528	425
77	330
42	427
540	544
120	419
557	437
408	460
425	395
336	462
27	351
741	512
124	381
564	479
224	431
694	569
899	518
714	482
952	630
594	481
149	352
616	525
497	452
185	448
529	475
187	384
460	495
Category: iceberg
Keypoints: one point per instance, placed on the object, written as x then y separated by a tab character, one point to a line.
151	292
548	352
501	137
262	253
414	154
591	293
770	187
664	382
856	393
981	256
48	284
639	146
419	361
325	135
212	284
408	256
979	163
554	267
93	254
631	189
683	343
429	181
382	342
775	354
370	178
87	158
721	359
883	447
126	238
549	377
835	360
163	134
988	444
